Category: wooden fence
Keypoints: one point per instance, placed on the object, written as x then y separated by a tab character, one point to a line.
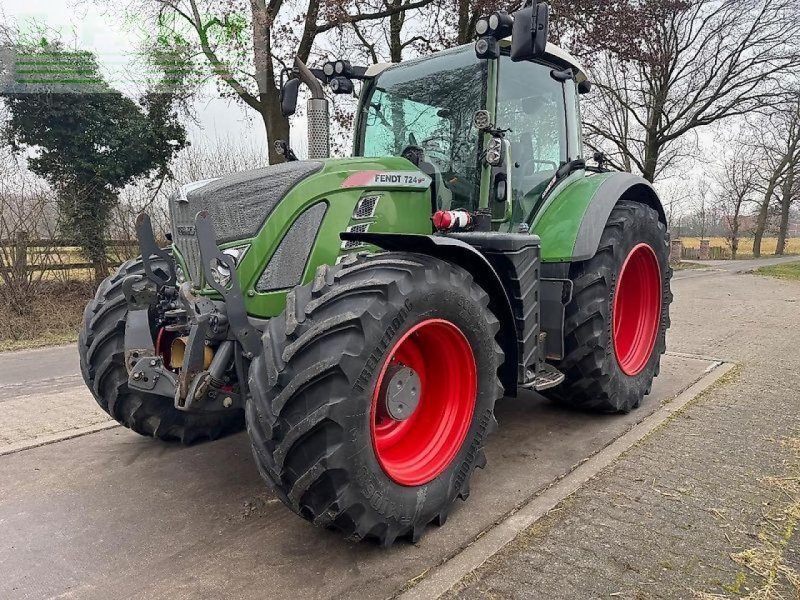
23	254
714	253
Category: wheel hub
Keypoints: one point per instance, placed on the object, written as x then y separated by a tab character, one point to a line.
401	391
423	402
637	309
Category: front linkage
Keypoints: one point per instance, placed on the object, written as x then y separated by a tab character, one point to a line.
217	339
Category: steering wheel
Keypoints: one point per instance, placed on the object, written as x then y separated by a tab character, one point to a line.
413	154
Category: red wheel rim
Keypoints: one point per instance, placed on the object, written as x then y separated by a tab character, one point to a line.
637	309
416	450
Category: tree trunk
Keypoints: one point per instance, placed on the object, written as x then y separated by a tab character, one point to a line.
276	125
761	222
651	153
786	204
735	229
464	11
395	29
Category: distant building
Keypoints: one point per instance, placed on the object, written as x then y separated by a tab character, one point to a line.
747	224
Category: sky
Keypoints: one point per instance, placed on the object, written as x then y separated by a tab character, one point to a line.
88	25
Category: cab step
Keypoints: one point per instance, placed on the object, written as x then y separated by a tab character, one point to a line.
547	377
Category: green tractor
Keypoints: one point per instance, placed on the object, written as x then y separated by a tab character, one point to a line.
363	315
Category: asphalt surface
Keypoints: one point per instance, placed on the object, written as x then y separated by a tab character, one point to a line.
43	370
114	515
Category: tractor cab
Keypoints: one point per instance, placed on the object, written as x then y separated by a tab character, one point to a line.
424	110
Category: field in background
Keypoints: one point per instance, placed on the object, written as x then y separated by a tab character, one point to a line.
746	244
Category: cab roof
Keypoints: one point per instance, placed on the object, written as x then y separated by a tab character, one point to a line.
552	53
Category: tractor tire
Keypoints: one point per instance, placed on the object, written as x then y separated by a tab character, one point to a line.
615	326
325	434
101	346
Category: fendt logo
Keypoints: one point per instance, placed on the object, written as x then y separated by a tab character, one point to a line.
388	179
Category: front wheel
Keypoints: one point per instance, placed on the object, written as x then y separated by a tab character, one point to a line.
375	393
615	326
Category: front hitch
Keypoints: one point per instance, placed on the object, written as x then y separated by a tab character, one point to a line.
197	386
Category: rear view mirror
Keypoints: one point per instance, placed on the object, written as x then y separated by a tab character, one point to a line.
289	97
529	35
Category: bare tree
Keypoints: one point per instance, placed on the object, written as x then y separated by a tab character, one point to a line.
702	206
27	213
245	44
788	191
779	144
698	62
736	182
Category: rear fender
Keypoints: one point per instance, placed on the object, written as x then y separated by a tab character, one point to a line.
573	220
466	256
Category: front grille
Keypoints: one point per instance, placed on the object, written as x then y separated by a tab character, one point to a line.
238	204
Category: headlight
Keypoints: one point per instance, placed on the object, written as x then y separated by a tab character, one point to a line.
220	271
494	152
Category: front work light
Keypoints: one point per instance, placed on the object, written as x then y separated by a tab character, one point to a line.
487	47
500	24
342	67
341	85
490	31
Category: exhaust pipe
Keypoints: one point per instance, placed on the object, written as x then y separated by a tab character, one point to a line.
319	141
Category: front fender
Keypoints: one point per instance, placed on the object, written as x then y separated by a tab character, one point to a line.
571	223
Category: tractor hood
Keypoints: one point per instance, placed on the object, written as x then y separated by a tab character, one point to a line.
238	204
242	203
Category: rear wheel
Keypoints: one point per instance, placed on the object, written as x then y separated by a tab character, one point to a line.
616	323
101	345
375	393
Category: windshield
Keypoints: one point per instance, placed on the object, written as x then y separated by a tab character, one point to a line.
430	103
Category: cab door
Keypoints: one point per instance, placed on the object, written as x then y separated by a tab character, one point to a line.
543	133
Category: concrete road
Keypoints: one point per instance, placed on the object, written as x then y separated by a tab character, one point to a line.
114	515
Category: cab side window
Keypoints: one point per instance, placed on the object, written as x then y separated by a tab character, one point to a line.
531	104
